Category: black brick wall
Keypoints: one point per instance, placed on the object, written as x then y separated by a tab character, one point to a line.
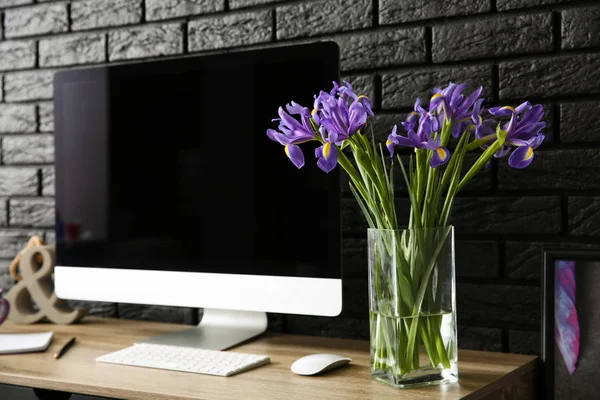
544	50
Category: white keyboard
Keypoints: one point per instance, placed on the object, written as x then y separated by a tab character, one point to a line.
184	359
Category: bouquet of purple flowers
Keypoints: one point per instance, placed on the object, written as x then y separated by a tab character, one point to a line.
441	134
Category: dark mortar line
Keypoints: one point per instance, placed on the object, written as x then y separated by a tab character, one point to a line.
69	19
274	25
184	37
556	31
143	11
375	14
428	45
564	205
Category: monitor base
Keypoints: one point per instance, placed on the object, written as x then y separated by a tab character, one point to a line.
218	330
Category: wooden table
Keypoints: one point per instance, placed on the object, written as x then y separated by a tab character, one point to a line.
483	375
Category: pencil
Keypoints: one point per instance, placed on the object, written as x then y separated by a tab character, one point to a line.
64	349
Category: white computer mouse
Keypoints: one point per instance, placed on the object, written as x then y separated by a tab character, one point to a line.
318	363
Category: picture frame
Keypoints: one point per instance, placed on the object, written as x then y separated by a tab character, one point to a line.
557	381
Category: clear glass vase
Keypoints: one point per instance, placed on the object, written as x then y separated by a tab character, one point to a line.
412	306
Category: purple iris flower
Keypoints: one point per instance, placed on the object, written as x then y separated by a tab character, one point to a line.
452	105
419	140
337	115
342	112
523	132
291	132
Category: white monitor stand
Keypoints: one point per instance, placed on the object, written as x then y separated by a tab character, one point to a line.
218	330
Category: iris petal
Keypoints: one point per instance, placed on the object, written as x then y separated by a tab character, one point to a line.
521	157
327	157
440	156
294	154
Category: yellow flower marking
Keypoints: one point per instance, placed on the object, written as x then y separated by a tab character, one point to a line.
435	96
326	150
361	96
442	153
287	150
388	142
508	108
312	113
529	153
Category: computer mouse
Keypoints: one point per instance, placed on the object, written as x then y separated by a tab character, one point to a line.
318	363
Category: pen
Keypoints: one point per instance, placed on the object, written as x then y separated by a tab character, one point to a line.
64	349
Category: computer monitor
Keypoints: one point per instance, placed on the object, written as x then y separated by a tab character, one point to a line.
169	192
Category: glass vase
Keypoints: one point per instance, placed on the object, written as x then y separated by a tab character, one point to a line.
412	306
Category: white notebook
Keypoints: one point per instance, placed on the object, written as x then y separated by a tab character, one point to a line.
24	342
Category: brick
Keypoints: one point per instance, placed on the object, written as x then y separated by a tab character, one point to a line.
547	77
163	9
10	3
31	85
148	41
512	304
90	14
46	116
580	27
28	149
72	49
18	181
485	339
554	169
524	259
383	124
503	5
177	315
476	259
17	54
340	327
354	258
324	16
48	181
393	11
492	37
6	281
584	216
382	48
35	20
507	215
230	30
233	4
362	85
524	342
32	212
17	118
401	89
96	309
14	240
576	124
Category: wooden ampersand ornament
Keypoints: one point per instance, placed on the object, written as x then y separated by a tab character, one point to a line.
36	286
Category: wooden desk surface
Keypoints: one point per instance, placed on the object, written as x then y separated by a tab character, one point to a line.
482	374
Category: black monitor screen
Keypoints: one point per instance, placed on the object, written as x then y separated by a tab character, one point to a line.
167	166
